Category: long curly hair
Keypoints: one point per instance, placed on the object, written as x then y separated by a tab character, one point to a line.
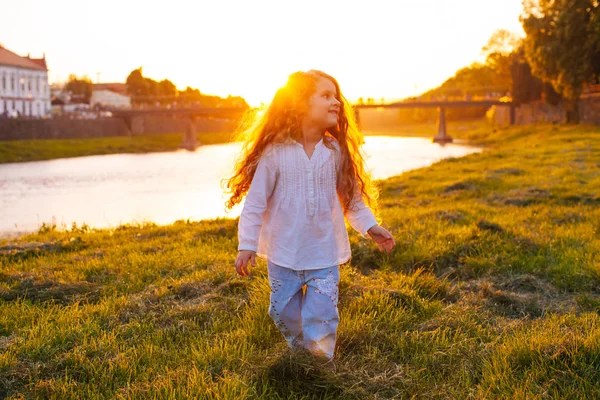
282	121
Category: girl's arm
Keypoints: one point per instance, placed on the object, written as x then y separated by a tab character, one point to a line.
360	216
255	205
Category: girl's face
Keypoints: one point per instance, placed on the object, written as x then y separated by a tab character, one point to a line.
323	105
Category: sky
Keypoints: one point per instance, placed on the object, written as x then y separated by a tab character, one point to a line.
380	49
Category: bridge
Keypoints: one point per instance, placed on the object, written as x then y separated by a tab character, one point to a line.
442	134
134	117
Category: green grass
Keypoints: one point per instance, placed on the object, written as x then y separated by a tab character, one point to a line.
48	149
491	292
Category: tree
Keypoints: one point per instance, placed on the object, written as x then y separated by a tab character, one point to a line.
501	42
562	45
148	91
167	88
190	95
505	55
143	89
80	88
499	53
525	86
136	83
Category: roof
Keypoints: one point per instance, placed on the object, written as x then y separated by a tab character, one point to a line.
40	61
116	87
7	57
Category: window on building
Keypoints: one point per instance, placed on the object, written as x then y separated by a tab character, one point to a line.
37	83
12	83
3	82
22	84
29	85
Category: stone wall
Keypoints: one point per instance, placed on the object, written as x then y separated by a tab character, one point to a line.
539	112
61	128
589	113
149	125
64	128
589	109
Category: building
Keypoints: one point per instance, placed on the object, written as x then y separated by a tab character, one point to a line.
112	95
23	85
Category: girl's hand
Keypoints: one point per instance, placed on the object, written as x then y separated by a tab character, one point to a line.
382	237
244	258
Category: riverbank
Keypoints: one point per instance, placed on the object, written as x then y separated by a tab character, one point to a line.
491	292
461	130
38	150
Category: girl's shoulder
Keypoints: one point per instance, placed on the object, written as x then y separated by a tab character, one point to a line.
271	151
332	144
335	143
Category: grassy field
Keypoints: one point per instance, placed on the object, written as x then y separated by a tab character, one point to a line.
36	150
491	292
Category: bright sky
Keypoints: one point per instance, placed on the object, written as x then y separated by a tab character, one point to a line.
390	49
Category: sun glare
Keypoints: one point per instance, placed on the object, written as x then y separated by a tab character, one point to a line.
389	50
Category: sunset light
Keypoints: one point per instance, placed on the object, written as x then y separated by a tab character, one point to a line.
190	210
389	49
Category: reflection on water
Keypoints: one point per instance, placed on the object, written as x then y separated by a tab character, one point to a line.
109	190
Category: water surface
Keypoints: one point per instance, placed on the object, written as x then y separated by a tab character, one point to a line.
110	190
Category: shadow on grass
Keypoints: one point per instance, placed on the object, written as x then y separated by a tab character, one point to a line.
298	375
511	275
21	252
28	287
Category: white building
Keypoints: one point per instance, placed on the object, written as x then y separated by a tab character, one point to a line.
110	95
23	85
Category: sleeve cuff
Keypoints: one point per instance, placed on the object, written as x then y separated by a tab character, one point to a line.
247	247
369	226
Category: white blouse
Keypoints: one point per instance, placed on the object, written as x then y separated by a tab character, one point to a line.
292	215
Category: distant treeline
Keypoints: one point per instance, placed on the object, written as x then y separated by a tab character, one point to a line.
146	91
554	63
505	73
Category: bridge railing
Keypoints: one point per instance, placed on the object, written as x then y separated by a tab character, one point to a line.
440	98
591	89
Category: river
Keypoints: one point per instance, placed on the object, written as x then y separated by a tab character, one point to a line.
110	190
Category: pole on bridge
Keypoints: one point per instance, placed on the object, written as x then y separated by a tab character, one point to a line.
190	142
357	117
512	114
442	136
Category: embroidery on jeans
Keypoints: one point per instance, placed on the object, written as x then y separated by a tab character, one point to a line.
275	284
328	287
278	322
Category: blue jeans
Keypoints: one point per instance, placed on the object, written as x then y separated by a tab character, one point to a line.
306	317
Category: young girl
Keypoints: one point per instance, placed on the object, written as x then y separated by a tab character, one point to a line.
302	172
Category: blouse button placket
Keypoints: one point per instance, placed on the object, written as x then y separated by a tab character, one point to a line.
311	191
